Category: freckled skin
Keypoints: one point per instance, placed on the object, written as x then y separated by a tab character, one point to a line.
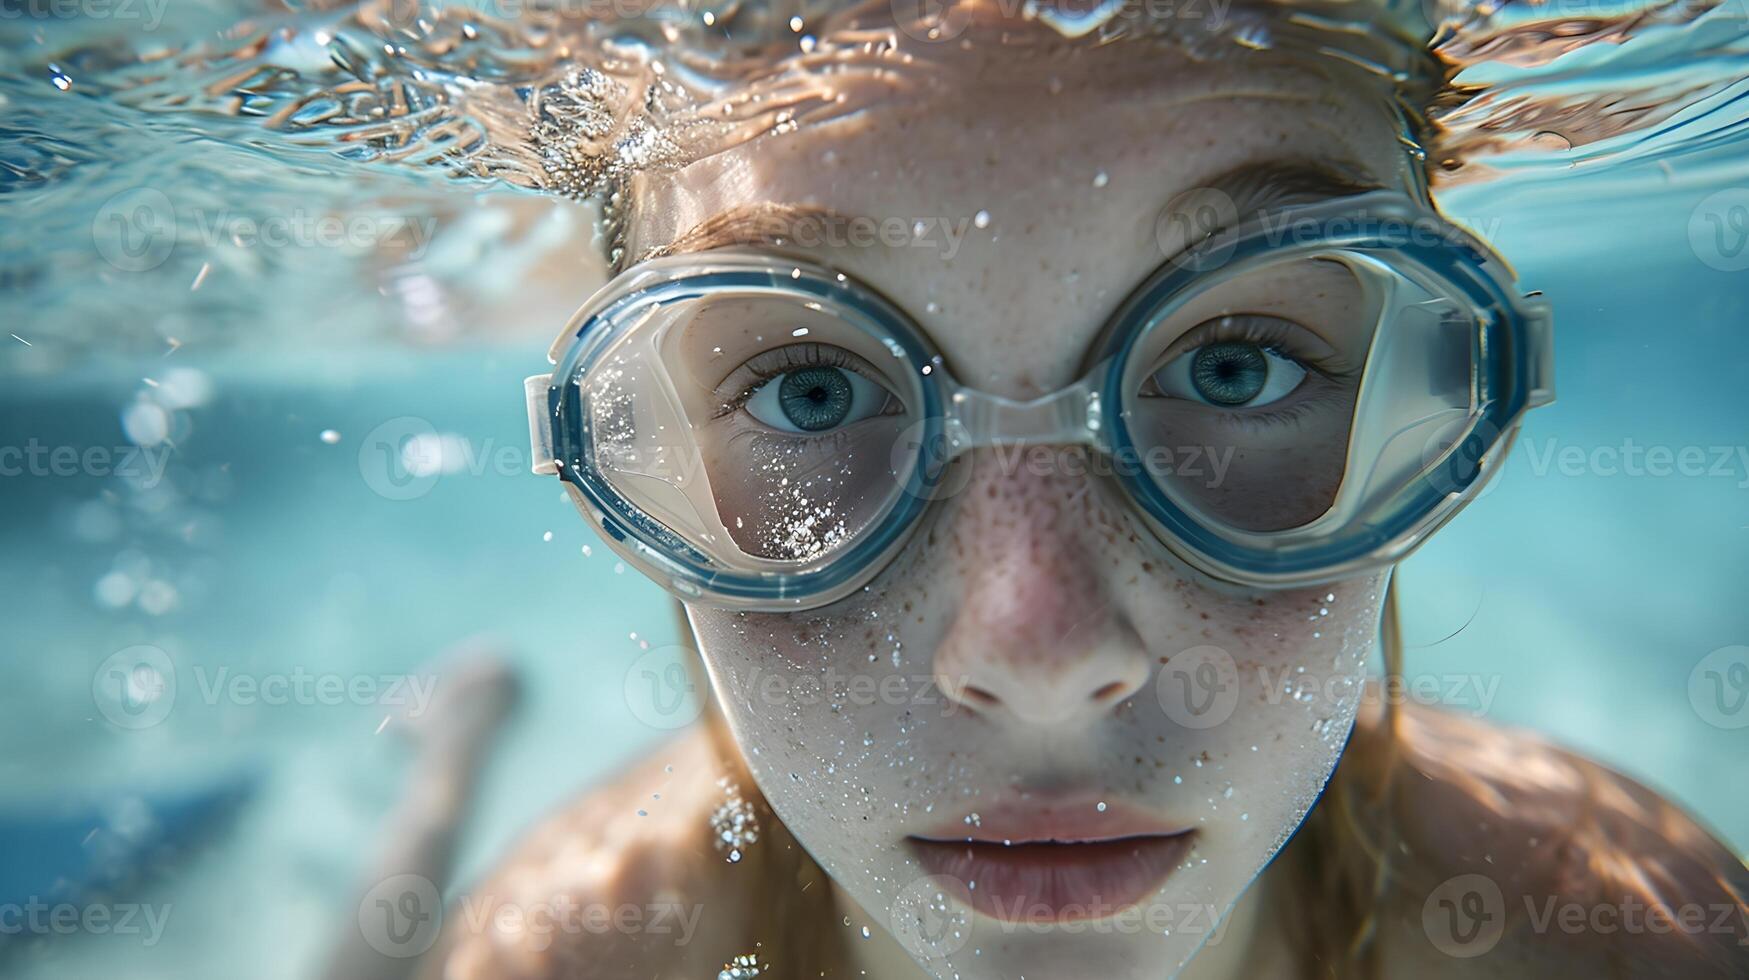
1047	614
1021	641
1033	597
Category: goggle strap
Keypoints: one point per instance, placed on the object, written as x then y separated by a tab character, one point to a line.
538	390
1539	330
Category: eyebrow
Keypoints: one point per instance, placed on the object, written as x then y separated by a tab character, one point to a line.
1255	189
1277	183
765	224
1251	188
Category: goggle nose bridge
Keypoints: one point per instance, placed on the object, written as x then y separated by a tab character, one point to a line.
1071	416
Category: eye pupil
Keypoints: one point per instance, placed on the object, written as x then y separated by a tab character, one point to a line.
1229	373
814	398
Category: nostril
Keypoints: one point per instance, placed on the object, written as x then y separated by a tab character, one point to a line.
1111	692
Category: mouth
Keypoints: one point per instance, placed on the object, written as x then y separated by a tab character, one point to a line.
1054	864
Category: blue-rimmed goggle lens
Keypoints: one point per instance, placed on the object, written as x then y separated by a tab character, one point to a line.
763	433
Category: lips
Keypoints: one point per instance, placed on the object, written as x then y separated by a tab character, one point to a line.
1054	863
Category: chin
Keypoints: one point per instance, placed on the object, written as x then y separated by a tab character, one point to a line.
1071	951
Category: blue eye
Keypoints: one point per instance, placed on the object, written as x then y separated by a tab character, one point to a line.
815	399
1230	374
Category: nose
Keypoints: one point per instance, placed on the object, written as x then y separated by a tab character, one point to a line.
1038	635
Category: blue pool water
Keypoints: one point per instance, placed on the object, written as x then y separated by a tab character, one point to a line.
1579	597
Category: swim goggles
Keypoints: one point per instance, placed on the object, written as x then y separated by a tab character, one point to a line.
1300	398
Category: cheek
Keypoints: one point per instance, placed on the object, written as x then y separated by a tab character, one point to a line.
834	710
1254	701
844	721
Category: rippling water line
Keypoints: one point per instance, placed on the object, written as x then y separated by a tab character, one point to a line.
405	113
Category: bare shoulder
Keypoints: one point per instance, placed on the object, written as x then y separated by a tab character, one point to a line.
1520	858
623	882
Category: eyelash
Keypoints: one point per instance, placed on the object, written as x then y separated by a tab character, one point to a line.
761	368
1269	333
1273	335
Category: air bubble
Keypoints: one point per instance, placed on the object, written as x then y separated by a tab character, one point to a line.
746	966
733	824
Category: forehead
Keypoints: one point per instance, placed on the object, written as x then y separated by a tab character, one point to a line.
1009	197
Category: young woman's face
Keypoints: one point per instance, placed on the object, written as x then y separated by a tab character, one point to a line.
1036	727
